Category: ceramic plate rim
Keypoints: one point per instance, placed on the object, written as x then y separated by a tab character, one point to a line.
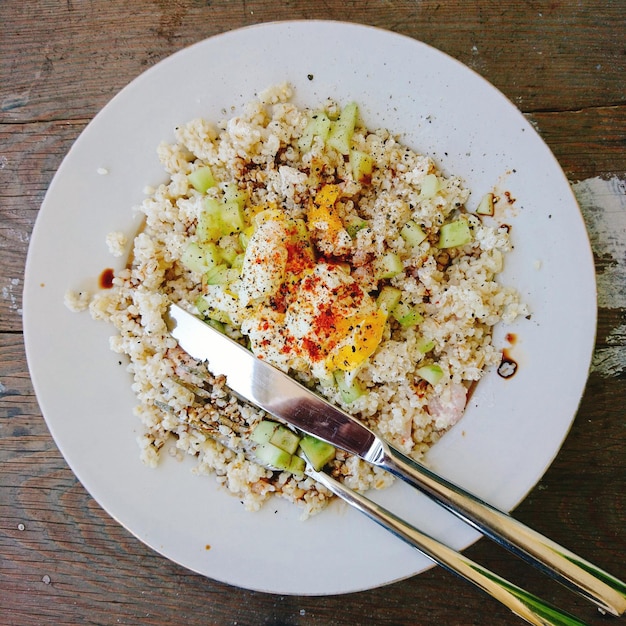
46	280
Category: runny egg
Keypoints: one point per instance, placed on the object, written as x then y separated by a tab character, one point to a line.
300	312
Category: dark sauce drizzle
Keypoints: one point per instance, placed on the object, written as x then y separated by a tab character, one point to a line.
508	365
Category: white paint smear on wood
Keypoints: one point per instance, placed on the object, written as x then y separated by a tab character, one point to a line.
611	361
603	204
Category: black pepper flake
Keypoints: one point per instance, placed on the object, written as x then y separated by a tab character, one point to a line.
310	76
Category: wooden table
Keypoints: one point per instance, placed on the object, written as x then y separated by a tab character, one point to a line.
63	560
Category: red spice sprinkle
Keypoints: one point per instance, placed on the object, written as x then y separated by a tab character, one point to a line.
313	349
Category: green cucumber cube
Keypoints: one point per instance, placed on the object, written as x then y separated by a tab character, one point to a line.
430	373
354	224
413	234
232	193
425	345
228	254
263	431
388	266
206	309
362	165
388	298
272	456
318	452
485	206
454	234
201	179
237	263
232	218
200	257
407	315
317	126
209	226
221	275
285	439
342	129
349	389
430	186
297	465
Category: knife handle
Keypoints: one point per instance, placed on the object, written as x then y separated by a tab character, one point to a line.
579	575
524	604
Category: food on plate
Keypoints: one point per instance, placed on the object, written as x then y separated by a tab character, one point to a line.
332	251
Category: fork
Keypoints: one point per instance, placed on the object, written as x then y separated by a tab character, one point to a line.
522	603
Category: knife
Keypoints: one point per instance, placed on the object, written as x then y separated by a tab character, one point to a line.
270	389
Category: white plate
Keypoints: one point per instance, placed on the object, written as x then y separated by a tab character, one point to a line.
513	428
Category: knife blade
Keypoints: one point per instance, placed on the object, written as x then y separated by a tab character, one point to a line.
272	390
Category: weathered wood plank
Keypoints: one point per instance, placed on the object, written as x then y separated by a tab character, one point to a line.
107	44
64	560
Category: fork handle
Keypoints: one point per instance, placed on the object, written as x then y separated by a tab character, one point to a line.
579	575
524	604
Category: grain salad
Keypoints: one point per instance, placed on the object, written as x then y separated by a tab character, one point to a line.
333	252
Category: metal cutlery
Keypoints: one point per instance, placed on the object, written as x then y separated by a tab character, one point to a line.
279	395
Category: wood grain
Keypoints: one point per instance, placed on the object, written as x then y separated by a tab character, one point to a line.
63	560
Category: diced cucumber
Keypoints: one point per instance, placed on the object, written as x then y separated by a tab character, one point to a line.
354	224
218	218
407	315
299	235
232	193
221	275
285	439
237	263
425	345
388	298
413	234
263	431
200	257
209	226
341	130
349	388
203	306
317	126
273	456
297	465
201	179
244	236
277	447
454	234
208	310
485	206
217	325
232	218
228	254
362	165
388	266
431	373
318	452
430	186
276	434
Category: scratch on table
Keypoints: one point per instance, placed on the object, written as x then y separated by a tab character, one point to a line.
15	100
